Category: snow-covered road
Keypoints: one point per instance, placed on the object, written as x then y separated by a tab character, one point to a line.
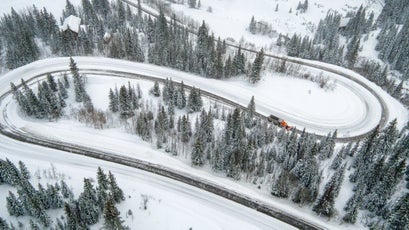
350	108
172	205
236	90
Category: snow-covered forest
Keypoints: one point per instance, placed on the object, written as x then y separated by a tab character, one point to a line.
309	171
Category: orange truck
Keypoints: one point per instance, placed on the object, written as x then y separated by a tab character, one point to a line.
280	122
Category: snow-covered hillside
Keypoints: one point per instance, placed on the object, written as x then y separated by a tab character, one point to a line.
231	18
333	184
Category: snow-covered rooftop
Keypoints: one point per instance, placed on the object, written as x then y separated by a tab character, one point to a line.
71	22
344	22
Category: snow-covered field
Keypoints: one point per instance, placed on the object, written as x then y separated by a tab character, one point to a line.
231	18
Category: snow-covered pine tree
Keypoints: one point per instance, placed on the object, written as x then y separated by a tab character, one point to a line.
116	191
112	219
324	205
14	206
25	174
280	188
194	101
399	216
87	205
113	101
256	67
155	91
125	103
197	152
51	82
252	26
53	196
79	87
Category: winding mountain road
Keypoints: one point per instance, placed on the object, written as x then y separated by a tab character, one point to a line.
118	68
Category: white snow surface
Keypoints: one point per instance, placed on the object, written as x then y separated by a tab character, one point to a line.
53	6
171	205
115	141
349	108
71	22
231	18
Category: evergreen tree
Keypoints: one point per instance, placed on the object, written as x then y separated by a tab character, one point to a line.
78	81
25	174
185	129
62	90
87	205
3	224
66	82
197	153
51	82
352	52
113	101
352	206
194	101
399	217
252	26
239	63
65	191
14	206
280	188
155	91
53	196
102	179
256	67
116	192
112	219
325	203
125	103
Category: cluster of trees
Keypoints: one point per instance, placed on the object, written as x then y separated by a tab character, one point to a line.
124	101
392	43
49	101
393	39
302	7
194	4
79	213
261	27
19	37
114	30
325	45
94	202
160	127
246	147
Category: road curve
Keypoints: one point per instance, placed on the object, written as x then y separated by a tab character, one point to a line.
346	73
9	130
215	89
34	71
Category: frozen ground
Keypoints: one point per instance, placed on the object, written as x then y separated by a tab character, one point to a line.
171	205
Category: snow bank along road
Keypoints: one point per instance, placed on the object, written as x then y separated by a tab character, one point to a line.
373	110
110	67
